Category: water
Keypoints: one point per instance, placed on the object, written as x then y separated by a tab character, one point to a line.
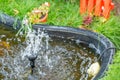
58	59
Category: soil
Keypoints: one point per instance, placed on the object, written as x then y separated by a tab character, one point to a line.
117	7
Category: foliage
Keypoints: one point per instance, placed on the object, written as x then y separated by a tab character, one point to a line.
37	14
25	27
110	28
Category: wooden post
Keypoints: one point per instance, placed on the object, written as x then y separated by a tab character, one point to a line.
83	6
108	6
91	6
98	7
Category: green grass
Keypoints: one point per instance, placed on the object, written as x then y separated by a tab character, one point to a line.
67	14
7	6
111	29
61	12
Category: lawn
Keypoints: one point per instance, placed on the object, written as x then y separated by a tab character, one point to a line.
66	13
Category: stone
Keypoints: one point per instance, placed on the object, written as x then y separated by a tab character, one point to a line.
94	69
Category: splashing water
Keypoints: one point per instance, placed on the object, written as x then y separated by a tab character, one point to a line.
17	64
57	59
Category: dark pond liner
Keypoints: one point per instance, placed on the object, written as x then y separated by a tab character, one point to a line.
95	41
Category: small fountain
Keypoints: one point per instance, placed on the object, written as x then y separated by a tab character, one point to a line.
52	53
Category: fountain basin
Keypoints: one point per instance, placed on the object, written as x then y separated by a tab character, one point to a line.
97	42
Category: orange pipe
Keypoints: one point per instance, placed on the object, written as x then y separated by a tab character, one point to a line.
91	4
83	6
98	8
